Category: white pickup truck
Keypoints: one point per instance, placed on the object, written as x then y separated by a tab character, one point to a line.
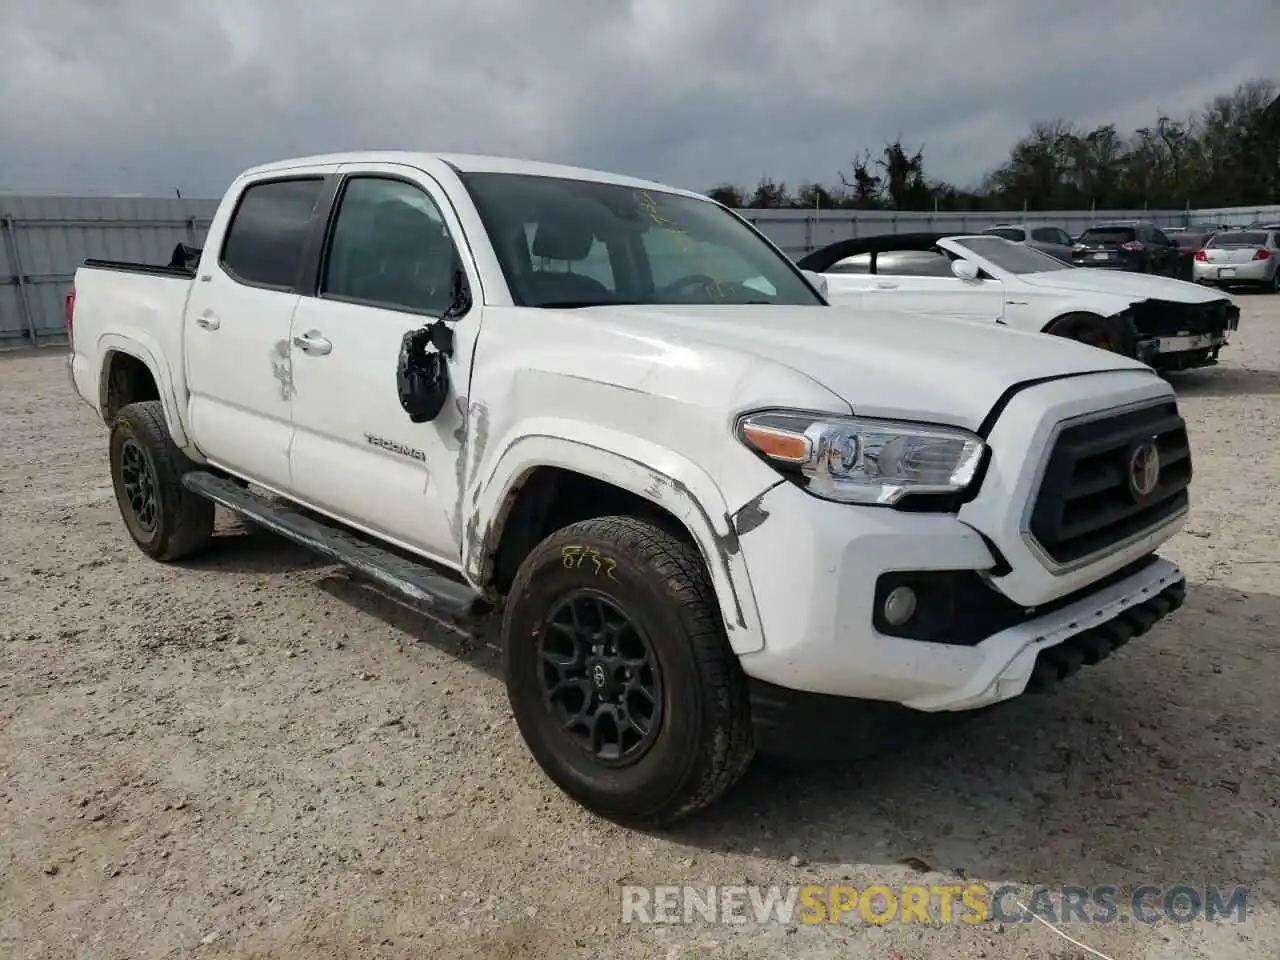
722	515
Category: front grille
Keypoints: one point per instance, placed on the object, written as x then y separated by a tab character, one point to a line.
1088	500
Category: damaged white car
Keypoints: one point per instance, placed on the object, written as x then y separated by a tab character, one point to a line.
1166	323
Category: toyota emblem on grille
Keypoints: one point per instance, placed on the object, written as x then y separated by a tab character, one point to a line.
598	675
1144	469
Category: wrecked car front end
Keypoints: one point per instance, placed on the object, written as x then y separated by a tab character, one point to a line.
1170	335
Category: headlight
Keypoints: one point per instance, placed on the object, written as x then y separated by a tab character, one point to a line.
857	460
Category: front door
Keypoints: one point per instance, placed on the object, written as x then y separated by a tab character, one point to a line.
848	279
236	341
387	269
921	281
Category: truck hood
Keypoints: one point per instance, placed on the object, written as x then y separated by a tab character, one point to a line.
1134	286
883	363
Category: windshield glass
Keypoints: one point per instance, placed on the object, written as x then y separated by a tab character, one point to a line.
1238	239
1009	233
1012	257
1187	239
566	243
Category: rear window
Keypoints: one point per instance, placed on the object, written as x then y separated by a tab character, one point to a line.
1108	235
269	230
1009	233
1240	239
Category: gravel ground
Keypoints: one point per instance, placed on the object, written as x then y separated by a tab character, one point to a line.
251	755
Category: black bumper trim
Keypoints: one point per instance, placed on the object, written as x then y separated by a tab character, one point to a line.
816	727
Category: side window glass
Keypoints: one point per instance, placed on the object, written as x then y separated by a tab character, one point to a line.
858	263
268	232
1159	238
914	263
1064	238
1045	234
389	247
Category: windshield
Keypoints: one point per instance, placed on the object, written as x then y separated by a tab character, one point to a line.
1012	257
1238	239
1009	233
575	243
1187	239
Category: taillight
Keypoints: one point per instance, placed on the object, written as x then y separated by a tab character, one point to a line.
1202	256
1133	246
70	308
1262	254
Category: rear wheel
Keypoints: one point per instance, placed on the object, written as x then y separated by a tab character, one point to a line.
164	519
620	675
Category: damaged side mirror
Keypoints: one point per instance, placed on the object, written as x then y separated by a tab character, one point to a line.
422	373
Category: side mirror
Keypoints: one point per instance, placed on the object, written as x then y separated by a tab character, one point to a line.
965	269
818	280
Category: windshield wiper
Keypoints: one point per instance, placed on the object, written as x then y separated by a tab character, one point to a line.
570	304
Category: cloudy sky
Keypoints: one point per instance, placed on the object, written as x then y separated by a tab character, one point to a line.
141	96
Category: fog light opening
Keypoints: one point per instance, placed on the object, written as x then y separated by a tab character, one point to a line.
900	606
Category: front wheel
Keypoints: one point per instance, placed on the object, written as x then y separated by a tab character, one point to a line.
1096	331
619	673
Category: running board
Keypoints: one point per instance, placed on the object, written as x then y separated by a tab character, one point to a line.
416	583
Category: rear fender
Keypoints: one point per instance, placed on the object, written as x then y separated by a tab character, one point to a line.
144	349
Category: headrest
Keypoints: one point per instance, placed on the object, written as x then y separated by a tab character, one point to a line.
400	228
560	237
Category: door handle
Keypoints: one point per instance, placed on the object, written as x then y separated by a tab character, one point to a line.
886	285
311	342
208	322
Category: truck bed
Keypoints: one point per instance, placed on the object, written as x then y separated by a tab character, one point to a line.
118	302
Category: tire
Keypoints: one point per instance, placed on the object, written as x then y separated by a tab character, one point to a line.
165	520
1096	331
699	729
1275	281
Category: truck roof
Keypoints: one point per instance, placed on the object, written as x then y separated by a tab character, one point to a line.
466	163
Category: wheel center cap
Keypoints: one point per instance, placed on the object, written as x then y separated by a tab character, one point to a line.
598	671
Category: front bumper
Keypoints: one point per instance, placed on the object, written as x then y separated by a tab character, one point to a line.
1163	328
811	726
817	614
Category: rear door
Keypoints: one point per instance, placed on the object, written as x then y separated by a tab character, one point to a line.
921	281
236	341
387	263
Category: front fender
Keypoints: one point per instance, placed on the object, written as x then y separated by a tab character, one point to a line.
144	348
640	467
1102	306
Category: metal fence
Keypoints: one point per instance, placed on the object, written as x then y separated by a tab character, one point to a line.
44	239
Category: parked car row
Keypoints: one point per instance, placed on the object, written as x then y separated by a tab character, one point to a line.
1206	253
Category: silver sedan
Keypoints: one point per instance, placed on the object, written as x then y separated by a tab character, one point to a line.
1244	257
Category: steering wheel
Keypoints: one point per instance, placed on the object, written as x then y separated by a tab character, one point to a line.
707	283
